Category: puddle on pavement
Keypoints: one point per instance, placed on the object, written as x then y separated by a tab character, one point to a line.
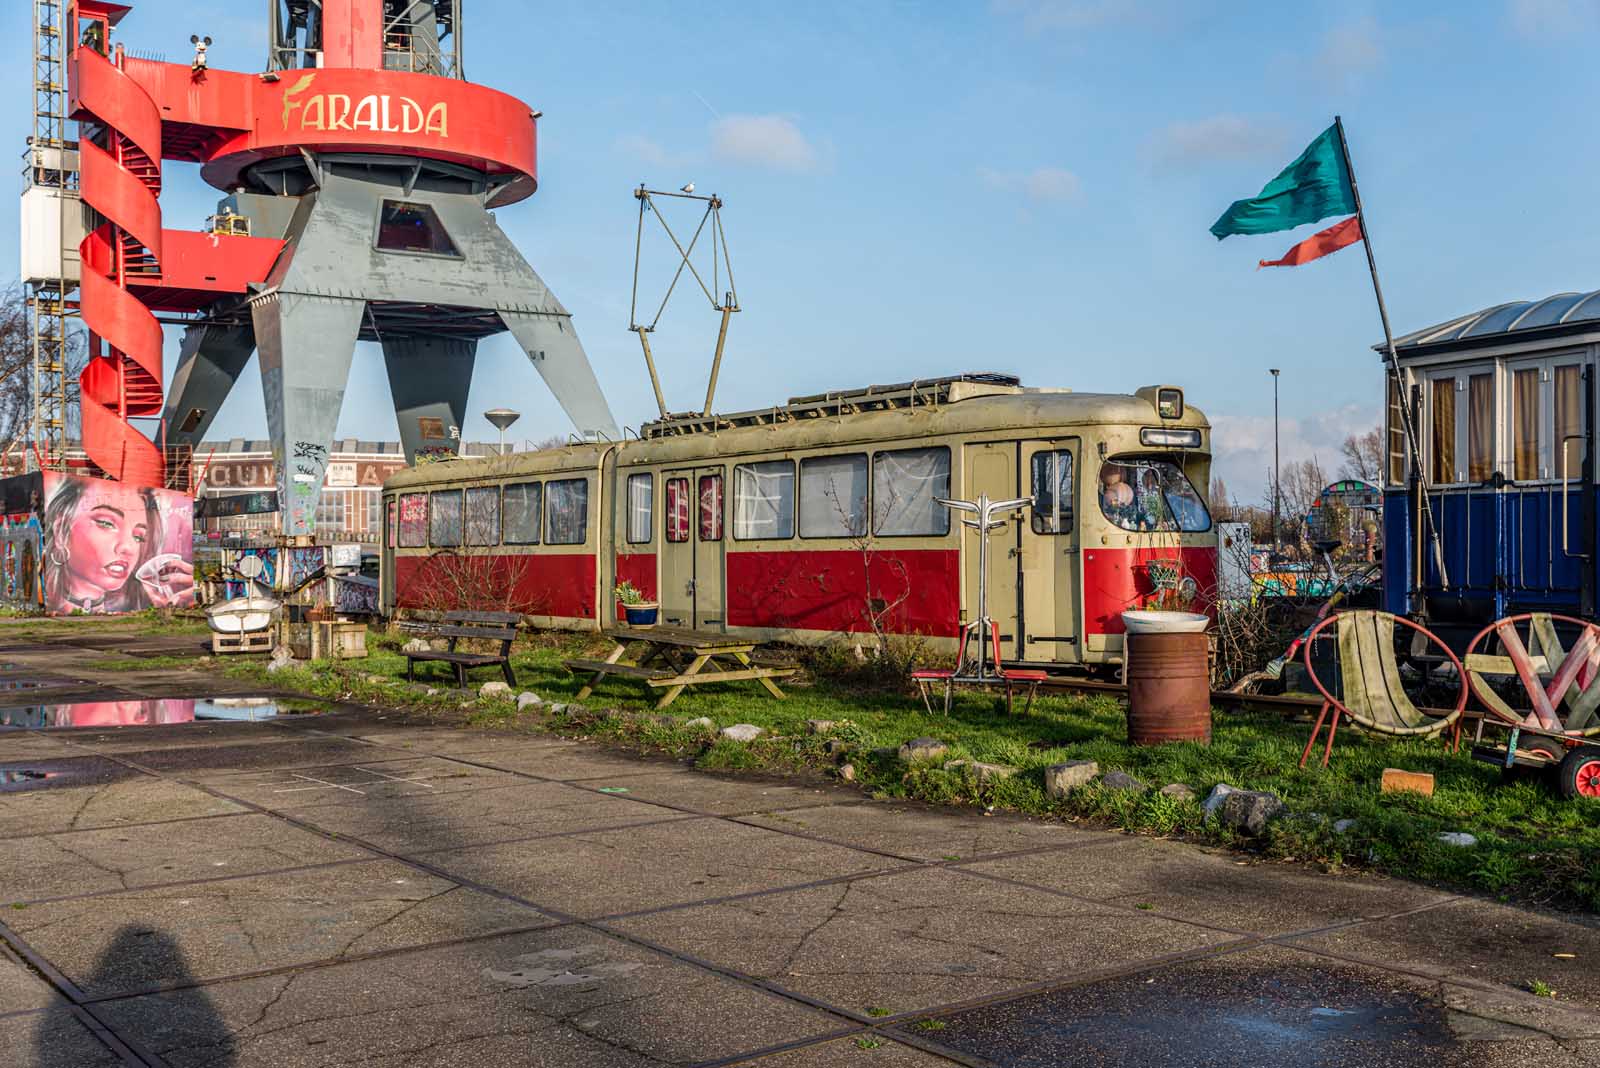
1210	1013
149	713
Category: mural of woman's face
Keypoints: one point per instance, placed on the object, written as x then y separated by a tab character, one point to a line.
105	540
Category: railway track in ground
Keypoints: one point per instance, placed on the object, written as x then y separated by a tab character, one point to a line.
1287	706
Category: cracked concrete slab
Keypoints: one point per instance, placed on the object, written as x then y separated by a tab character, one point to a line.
18	746
609	872
455	821
206	763
55	1039
1483	942
907	942
20	988
584	762
131	941
866	1051
923	833
380	779
137	799
549	999
131	857
728	796
447	741
1213	887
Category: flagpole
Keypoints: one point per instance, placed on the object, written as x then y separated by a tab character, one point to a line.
1409	426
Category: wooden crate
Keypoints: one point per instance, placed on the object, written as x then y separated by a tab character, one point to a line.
259	641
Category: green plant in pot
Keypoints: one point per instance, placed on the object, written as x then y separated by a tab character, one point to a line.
639	610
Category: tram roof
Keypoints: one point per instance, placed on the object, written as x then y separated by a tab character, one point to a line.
1563	313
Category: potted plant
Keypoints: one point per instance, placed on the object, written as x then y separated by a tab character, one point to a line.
638	611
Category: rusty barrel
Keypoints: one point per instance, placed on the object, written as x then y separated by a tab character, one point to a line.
1169	689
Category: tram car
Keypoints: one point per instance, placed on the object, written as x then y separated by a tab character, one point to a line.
821	517
1503	402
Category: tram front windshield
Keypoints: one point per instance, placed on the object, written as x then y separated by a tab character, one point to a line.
1146	493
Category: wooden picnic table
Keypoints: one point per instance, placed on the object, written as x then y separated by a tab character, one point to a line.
674	658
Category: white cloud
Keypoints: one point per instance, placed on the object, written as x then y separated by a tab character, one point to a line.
1349	52
1242	445
1038	15
650	151
772	141
1554	19
1215	138
1040	185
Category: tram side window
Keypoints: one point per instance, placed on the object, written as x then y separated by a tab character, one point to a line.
833	496
1148	494
1568	418
1052	492
483	515
413	521
906	487
521	507
677	510
710	507
763	500
1397	435
1480	427
1444	430
641	491
389	534
567	512
1525	424
444	519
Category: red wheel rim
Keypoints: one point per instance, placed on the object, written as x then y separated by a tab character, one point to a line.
1588	778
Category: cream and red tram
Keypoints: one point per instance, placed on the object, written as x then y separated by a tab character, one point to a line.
802	522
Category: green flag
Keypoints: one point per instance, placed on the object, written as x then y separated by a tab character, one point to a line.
1313	187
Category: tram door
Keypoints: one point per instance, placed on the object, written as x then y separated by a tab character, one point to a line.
991	468
1049	546
692	592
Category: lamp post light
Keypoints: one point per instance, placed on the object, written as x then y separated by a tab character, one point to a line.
500	418
1275	469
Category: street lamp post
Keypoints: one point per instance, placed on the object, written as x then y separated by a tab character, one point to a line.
1275	468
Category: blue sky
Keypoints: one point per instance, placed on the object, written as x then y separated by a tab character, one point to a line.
1015	185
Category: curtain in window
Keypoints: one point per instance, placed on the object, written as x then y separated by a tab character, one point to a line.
763	500
483	515
677	509
521	508
1444	430
906	487
641	490
567	511
710	507
1480	427
1525	424
392	519
833	496
1569	419
444	519
1052	492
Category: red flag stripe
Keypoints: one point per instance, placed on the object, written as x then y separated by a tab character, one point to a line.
1334	238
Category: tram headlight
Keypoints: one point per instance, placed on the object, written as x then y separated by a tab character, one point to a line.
1170	437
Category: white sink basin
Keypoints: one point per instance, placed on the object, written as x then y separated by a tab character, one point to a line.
1143	622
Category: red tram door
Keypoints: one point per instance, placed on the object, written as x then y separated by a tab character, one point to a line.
692	571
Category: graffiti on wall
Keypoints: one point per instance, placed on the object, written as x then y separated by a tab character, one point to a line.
113	547
19	560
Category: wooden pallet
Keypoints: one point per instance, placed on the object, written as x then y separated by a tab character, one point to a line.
256	641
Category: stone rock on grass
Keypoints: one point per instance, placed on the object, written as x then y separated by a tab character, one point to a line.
984	772
847	772
378	680
1214	799
494	689
526	699
1342	826
417	645
1460	839
1121	780
819	726
1249	811
1061	779
701	723
1178	791
923	749
741	732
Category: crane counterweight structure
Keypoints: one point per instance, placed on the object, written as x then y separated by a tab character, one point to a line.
360	169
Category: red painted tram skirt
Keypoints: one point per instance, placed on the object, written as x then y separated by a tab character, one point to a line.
1169	689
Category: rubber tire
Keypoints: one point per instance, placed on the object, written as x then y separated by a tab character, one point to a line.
1519	772
1579	773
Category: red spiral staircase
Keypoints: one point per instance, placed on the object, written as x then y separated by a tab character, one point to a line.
121	181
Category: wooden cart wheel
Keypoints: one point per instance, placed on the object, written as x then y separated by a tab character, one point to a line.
1579	774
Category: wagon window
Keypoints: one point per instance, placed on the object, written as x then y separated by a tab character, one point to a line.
1052	492
763	500
413	520
1568	417
521	506
1397	435
483	515
833	496
444	519
567	512
641	490
1525	424
390	533
710	507
1444	429
1150	494
677	510
1480	427
906	487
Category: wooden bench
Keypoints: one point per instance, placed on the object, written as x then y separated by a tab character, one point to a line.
483	626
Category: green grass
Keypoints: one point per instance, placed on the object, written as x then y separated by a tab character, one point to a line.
1532	845
144	663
